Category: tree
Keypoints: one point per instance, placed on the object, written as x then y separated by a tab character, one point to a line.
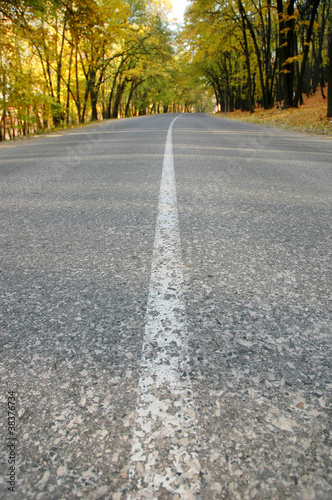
65	61
306	50
329	106
280	44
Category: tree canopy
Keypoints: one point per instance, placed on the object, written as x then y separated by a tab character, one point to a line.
69	61
263	51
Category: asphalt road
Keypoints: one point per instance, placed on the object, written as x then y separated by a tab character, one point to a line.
234	270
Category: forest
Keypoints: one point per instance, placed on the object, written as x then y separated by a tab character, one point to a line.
67	62
261	51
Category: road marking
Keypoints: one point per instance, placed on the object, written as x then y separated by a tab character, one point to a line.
258	150
164	456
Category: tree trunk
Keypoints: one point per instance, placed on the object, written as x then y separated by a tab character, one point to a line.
93	95
68	85
267	60
110	99
257	51
59	70
246	49
320	48
133	87
286	49
78	98
118	97
329	79
306	50
86	96
4	103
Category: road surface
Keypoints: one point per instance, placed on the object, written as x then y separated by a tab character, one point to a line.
165	321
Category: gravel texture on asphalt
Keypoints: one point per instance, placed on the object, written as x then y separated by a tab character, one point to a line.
78	219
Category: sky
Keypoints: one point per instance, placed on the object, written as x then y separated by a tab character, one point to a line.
179	7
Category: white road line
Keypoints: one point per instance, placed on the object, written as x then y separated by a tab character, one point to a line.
163	451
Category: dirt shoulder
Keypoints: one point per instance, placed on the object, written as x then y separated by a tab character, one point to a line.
310	117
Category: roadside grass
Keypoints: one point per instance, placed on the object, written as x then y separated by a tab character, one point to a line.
309	117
